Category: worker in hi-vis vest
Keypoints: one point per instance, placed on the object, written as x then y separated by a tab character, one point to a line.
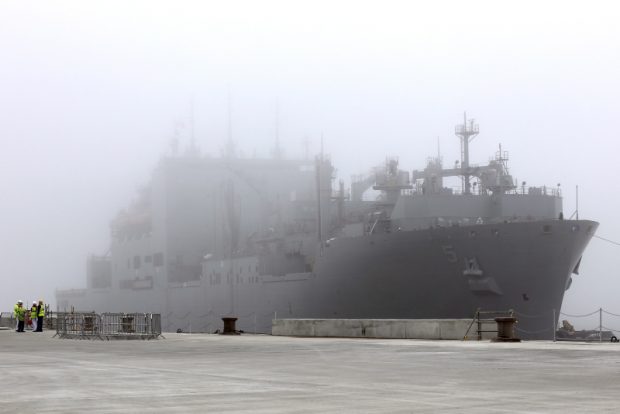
20	315
34	315
40	315
15	313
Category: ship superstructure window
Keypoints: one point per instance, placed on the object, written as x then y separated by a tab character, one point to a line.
547	229
158	259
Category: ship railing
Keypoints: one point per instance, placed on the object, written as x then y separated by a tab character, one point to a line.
537	191
477	190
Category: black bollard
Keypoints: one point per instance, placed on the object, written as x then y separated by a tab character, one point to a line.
229	326
506	329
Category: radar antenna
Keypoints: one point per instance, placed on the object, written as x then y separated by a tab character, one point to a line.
467	132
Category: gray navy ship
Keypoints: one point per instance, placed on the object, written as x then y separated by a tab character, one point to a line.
260	239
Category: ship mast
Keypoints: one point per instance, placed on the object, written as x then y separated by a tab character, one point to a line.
318	196
277	150
466	132
229	149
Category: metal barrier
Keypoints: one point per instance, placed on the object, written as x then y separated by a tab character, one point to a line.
81	324
89	325
7	320
130	324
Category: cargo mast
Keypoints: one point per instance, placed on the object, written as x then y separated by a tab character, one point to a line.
466	133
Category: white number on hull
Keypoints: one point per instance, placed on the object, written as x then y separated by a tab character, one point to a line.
448	250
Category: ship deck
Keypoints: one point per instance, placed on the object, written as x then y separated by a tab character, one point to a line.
267	374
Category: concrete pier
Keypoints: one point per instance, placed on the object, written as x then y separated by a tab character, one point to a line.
380	328
275	374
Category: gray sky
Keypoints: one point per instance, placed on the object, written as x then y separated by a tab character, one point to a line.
90	92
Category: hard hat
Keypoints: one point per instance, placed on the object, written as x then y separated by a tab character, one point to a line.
34	302
20	301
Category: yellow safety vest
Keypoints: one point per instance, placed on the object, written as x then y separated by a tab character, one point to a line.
41	310
20	313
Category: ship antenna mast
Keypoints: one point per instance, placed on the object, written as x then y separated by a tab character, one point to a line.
230	145
319	177
277	150
466	132
193	149
306	145
191	120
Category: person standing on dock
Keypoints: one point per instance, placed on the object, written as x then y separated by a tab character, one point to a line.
20	315
15	314
33	315
40	315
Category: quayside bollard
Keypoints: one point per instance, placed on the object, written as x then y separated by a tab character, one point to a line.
506	329
229	325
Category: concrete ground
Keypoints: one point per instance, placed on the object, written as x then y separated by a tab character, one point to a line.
265	374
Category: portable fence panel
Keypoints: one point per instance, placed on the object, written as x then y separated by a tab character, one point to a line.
108	325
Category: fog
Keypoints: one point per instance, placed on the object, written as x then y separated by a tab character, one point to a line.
90	93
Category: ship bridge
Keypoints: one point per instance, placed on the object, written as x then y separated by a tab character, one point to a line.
488	192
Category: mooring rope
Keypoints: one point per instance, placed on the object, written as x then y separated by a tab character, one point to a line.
607	240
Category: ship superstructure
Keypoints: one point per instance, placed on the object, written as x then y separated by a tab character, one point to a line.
269	238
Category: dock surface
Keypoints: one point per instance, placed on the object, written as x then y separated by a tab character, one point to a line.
267	374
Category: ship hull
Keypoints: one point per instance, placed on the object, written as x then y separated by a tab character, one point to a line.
442	272
525	267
